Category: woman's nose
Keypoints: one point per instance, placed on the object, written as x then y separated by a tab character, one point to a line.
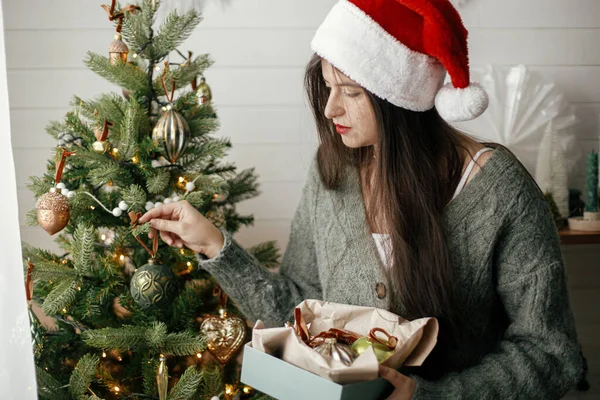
333	108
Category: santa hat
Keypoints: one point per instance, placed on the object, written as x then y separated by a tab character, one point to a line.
400	50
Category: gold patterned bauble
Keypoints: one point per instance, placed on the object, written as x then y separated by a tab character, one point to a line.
225	336
153	285
117	50
173	130
53	211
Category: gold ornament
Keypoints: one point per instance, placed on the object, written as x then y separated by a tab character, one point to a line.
53	211
338	351
171	129
383	348
162	378
117	50
204	93
225	335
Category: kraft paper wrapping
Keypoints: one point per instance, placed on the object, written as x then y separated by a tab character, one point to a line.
416	339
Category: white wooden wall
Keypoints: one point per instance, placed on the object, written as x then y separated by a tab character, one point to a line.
260	48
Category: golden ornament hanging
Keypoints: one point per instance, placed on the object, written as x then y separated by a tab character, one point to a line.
171	129
162	378
118	50
53	209
224	335
204	93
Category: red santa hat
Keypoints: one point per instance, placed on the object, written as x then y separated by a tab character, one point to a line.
400	50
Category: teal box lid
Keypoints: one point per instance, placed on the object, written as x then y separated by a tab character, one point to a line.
285	381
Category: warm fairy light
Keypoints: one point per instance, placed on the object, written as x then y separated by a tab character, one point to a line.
247	389
64	261
110	183
135	159
181	179
117	389
134	55
115	150
182	251
92	208
119	359
122	257
79	288
103	354
189	264
199	355
228	389
103	237
64	310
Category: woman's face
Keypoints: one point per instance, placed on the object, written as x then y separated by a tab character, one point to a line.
349	106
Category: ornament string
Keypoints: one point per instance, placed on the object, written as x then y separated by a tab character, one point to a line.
104	128
29	281
218	292
390	342
164	85
98	201
60	164
112	15
134	223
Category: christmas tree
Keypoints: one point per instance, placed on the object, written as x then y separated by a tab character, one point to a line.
134	319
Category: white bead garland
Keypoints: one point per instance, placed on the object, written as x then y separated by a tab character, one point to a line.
190	186
123	206
117	212
149	206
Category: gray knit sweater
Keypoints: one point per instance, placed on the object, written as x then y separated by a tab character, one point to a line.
509	273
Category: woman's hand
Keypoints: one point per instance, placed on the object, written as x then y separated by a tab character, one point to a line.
404	386
180	225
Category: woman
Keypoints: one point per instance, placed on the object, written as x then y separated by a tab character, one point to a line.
400	211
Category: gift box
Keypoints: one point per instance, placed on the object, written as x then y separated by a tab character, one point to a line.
280	364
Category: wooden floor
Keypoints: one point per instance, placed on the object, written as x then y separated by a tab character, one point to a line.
583	272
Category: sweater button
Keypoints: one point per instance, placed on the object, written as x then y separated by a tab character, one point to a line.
380	290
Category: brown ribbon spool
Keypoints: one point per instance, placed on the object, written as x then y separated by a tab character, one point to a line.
391	341
134	223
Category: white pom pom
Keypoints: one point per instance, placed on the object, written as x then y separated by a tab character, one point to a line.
65	191
456	105
149	206
176	198
70	195
157	204
61	186
167	200
117	212
214	398
123	206
190	186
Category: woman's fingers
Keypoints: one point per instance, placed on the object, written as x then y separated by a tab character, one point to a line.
164	211
167	238
166	225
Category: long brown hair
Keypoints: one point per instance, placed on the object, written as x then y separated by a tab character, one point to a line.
416	173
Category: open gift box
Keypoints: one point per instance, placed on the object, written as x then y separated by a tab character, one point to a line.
281	365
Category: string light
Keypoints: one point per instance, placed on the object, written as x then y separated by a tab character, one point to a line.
247	389
189	264
92	208
135	159
64	310
199	355
103	237
228	389
117	389
182	251
103	354
181	179
115	150
122	257
119	359
64	261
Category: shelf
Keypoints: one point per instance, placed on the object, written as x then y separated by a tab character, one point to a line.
568	236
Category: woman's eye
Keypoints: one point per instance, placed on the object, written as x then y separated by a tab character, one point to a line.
352	94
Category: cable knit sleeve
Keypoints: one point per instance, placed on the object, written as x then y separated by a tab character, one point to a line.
259	293
538	356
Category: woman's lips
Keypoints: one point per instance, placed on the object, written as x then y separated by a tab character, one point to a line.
341	129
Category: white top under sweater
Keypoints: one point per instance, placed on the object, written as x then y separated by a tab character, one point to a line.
382	240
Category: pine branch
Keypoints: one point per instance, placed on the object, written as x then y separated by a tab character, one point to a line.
183	344
109	105
183	75
242	187
156	335
55	128
187	385
105	173
266	253
149	368
83	247
137	27
158	181
141	229
174	30
197	199
123	74
122	339
39	186
31	218
212	382
130	132
83	374
52	271
48	387
135	197
62	296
